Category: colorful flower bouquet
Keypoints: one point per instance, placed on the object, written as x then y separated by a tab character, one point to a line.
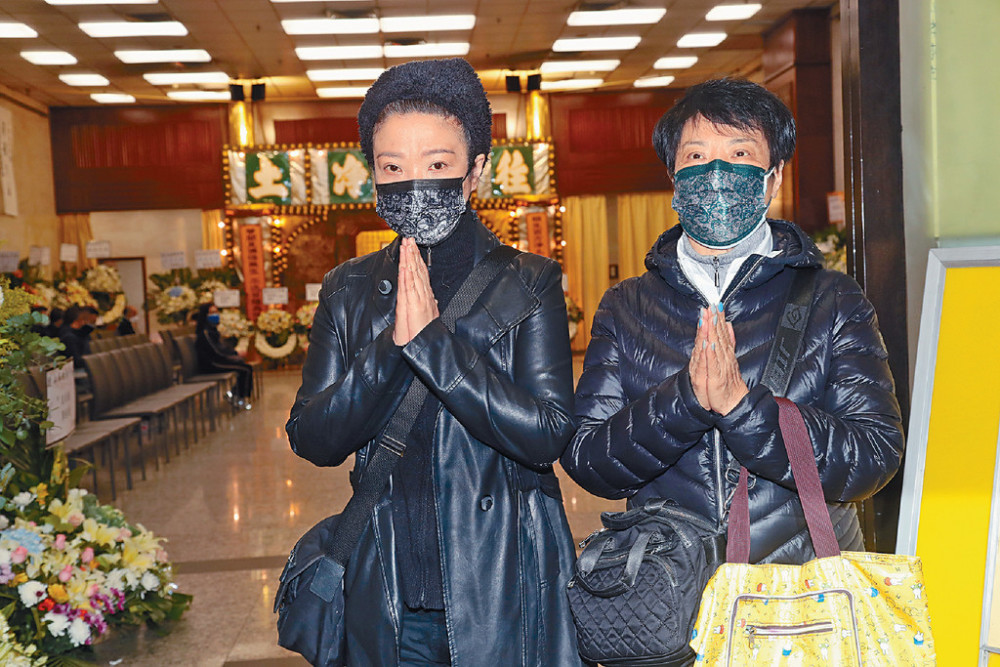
232	324
174	303
73	293
207	289
274	337
304	317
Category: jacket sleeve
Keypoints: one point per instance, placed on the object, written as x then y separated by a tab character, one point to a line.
622	445
344	401
855	429
526	415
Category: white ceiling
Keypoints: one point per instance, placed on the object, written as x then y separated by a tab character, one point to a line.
245	40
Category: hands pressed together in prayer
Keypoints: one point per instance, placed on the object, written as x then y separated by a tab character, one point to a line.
715	372
416	306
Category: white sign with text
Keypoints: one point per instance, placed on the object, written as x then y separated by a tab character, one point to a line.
9	260
98	249
60	392
68	252
312	291
207	259
173	260
227	298
275	296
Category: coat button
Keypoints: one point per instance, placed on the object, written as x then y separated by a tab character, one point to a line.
384	287
486	503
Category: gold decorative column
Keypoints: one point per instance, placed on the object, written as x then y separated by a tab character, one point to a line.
240	124
537	115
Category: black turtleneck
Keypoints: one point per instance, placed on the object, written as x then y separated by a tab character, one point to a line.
413	503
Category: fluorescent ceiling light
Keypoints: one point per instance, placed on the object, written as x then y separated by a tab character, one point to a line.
344	91
437	50
571	84
330	26
563	66
48	57
199	95
428	23
338	52
693	40
139	57
732	12
112	98
675	62
653	81
16	30
346	74
597	43
83	80
102	2
171	78
101	29
616	17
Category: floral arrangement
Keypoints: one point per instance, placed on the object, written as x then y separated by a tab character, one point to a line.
173	307
573	311
832	242
304	316
274	337
232	324
72	293
173	304
42	294
103	278
206	290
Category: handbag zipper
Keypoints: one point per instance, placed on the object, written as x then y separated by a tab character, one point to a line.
754	631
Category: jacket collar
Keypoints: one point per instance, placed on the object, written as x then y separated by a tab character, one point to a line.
796	250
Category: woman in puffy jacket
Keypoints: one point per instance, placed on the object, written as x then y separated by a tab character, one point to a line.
671	404
467	555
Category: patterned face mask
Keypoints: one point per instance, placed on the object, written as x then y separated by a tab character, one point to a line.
720	203
427	210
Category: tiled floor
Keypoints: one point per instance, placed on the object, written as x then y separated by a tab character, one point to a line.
231	507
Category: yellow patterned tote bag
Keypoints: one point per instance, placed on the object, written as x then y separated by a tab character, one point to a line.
841	609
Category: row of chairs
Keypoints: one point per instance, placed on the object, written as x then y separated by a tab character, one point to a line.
116	342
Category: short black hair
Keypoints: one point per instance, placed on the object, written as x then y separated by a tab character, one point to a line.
73	313
734	102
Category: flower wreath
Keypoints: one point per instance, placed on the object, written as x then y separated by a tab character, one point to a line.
280	352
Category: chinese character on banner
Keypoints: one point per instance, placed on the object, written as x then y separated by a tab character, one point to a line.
513	171
350	179
269	178
252	247
537	224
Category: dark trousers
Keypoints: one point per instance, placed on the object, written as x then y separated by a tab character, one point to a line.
244	375
423	639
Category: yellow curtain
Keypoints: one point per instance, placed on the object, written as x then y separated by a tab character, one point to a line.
75	228
585	230
641	220
212	236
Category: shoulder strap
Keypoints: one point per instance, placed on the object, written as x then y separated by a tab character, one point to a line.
392	441
777	374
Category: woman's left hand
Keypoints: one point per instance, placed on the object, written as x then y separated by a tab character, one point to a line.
420	305
725	386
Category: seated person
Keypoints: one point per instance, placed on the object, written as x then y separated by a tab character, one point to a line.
217	356
78	324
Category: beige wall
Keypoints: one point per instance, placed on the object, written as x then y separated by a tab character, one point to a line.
36	222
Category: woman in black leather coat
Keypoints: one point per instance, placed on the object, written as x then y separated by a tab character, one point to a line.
670	403
467	554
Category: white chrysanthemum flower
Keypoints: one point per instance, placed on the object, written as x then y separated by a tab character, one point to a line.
150	581
23	499
58	623
31	592
79	632
4	557
4	522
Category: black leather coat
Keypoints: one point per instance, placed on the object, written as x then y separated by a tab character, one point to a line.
505	381
643	434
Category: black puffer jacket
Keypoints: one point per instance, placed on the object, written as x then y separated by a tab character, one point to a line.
504	379
643	434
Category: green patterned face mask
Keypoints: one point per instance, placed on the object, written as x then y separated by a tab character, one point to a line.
720	203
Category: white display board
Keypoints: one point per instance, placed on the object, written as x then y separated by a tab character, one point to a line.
60	392
275	296
173	260
312	291
226	298
69	252
207	259
9	260
98	249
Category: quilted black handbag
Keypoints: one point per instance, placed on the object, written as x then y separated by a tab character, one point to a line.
310	597
637	585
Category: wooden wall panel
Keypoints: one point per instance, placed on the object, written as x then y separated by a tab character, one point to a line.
334	129
603	141
113	159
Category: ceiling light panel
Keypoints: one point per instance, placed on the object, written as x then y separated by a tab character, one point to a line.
199	95
342	91
616	17
330	26
48	57
139	57
653	81
571	84
106	29
174	78
338	52
112	98
732	12
428	23
566	66
596	44
439	50
83	80
675	62
694	40
14	30
345	74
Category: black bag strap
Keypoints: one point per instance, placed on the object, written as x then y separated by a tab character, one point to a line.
777	375
392	441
